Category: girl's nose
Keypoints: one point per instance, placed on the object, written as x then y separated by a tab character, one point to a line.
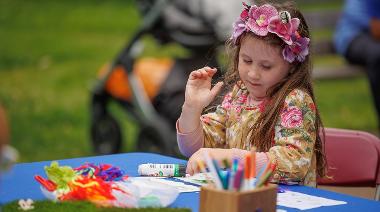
254	74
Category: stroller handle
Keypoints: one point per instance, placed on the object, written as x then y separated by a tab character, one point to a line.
126	56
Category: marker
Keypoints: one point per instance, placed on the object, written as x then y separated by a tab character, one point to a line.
203	170
226	163
247	172
234	167
201	166
238	177
213	171
253	169
263	180
219	172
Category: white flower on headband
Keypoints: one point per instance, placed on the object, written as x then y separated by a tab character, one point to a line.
264	19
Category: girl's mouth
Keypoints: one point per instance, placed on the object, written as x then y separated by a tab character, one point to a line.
255	84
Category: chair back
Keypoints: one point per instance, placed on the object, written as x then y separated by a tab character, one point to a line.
353	158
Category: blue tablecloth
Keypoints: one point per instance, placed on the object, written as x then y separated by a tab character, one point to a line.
19	182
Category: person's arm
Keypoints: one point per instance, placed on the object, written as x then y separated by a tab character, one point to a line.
210	132
295	136
374	13
198	95
210	138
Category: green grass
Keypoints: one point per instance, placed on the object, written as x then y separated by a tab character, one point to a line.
346	103
47	206
50	52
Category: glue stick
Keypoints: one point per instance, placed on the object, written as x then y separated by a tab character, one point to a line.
162	170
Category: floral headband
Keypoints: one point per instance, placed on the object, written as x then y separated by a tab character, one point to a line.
264	19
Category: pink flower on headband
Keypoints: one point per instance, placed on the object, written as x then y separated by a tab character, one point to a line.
244	13
283	28
259	18
264	19
299	48
238	28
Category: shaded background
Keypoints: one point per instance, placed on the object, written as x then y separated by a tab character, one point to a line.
51	51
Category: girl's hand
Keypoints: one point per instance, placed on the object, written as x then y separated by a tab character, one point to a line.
198	93
217	154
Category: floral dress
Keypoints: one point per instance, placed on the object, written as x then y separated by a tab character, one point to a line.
294	136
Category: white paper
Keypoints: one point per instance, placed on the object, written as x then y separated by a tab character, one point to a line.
301	201
179	186
197	179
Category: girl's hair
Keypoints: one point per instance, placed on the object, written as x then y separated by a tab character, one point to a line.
299	78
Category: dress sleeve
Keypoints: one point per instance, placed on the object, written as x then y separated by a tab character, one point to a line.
210	133
188	143
214	124
294	139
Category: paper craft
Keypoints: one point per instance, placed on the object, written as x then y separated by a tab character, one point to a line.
303	201
103	185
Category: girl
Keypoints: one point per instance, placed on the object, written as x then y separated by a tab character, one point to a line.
271	105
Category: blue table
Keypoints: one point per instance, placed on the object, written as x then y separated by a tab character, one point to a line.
19	182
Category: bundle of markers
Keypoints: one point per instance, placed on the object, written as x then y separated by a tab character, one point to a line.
240	175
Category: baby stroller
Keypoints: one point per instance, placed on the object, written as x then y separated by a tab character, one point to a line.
151	90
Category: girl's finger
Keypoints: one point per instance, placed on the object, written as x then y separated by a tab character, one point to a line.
189	167
211	71
204	73
195	75
216	89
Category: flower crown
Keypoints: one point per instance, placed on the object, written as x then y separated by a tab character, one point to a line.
264	19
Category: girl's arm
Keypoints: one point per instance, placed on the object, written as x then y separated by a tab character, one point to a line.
188	143
198	95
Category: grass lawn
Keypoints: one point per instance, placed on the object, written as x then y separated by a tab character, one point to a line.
47	206
50	52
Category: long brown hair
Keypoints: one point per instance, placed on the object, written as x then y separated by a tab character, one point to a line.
299	78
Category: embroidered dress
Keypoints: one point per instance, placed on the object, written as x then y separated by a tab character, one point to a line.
294	136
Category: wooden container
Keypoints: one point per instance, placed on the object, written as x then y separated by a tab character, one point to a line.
262	199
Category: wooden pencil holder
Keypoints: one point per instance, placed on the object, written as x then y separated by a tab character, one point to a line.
258	200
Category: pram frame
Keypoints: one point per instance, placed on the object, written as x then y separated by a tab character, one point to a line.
140	107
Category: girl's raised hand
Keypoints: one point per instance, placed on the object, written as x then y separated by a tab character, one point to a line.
199	93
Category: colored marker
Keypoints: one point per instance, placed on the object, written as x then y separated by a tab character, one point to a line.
213	171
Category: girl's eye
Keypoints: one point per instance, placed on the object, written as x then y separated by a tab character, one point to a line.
266	67
247	61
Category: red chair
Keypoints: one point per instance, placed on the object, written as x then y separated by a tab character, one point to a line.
354	163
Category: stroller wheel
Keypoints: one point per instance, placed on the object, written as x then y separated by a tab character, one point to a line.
151	140
106	135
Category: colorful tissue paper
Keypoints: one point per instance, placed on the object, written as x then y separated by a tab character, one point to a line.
104	185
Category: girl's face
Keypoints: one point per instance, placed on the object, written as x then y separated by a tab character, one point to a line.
260	66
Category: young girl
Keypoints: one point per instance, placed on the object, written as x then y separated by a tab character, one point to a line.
271	105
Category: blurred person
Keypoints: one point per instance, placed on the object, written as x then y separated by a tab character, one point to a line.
357	38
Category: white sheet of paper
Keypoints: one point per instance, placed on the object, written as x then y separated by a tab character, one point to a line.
181	187
304	201
197	179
